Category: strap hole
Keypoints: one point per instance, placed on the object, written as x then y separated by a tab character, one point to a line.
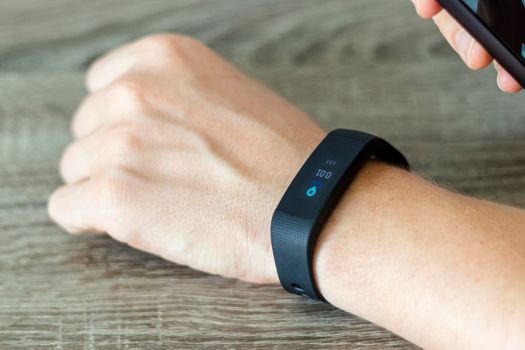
298	289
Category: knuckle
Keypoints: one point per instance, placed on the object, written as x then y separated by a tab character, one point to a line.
203	144
175	43
124	139
171	48
83	115
107	186
76	126
53	207
66	160
130	95
93	72
115	194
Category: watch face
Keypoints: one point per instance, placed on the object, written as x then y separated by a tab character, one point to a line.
506	20
321	176
325	176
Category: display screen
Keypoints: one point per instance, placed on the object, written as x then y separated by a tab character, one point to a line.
506	19
323	173
318	184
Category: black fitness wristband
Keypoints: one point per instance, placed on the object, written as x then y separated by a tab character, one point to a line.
311	197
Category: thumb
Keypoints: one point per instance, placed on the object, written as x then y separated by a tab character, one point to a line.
427	8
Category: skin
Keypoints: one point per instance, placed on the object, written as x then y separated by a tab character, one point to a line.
470	51
179	154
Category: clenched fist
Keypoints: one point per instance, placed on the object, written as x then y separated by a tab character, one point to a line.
179	154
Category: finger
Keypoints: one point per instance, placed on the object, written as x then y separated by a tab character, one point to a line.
507	83
151	51
470	51
125	146
111	66
123	100
427	8
105	148
76	208
79	159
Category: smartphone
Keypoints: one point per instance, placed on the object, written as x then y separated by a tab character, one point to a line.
499	26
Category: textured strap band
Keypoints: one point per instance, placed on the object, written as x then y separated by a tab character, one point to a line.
311	197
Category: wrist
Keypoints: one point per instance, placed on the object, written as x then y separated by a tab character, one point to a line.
312	196
349	245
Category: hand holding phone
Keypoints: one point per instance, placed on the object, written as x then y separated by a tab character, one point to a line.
498	27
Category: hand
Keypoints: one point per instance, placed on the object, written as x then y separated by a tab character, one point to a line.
472	53
179	154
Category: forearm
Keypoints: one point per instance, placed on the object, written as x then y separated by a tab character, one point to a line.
440	269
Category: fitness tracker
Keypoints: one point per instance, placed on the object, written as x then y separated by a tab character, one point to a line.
311	197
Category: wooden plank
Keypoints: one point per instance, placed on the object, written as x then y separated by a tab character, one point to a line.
359	64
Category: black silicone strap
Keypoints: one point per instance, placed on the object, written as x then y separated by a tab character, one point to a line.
311	197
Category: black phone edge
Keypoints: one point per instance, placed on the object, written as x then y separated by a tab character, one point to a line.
501	53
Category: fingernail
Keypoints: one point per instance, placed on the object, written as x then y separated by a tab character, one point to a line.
463	44
498	81
507	83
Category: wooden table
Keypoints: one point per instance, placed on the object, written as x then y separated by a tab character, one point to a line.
363	64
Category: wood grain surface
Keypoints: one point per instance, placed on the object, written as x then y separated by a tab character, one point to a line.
370	65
